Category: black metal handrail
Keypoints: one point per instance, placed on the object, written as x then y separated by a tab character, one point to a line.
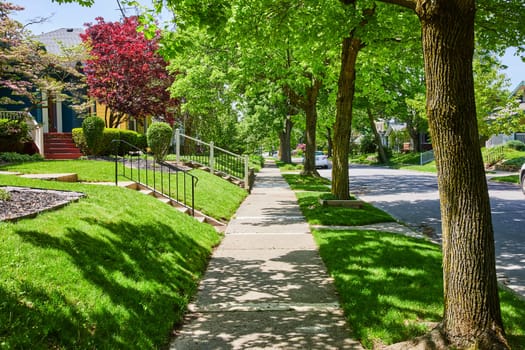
217	159
138	165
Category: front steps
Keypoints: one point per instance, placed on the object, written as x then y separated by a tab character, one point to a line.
60	145
218	225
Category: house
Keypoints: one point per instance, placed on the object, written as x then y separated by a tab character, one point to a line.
57	116
54	116
395	136
496	140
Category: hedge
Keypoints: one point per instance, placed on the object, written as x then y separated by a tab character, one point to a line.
107	147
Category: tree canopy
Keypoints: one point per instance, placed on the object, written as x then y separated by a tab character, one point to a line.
472	316
126	74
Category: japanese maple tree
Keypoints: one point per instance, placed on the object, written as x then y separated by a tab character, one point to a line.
126	74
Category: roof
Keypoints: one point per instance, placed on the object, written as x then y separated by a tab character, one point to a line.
395	127
65	37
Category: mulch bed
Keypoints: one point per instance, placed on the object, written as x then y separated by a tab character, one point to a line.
28	202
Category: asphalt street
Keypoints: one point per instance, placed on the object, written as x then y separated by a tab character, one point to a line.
412	197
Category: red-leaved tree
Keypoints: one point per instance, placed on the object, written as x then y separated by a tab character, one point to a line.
126	74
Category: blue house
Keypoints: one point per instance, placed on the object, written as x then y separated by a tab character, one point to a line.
58	116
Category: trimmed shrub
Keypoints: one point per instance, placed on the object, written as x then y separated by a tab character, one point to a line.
13	134
159	136
516	144
130	137
13	157
80	140
93	128
107	147
142	141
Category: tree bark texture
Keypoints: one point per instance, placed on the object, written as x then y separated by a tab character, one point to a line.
329	140
380	149
343	119
284	141
472	313
309	106
413	132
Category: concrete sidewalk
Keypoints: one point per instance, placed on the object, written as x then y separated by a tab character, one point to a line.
266	286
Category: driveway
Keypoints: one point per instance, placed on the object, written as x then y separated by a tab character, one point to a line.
412	197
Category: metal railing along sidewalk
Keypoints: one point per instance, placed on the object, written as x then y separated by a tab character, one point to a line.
161	178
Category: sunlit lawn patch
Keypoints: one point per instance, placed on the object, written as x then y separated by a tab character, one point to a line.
113	270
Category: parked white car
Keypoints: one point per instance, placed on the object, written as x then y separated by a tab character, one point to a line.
522	178
321	160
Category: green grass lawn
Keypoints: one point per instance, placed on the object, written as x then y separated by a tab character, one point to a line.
514	179
114	270
309	189
213	196
216	197
390	285
87	170
512	160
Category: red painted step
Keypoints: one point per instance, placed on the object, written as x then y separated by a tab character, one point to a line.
60	146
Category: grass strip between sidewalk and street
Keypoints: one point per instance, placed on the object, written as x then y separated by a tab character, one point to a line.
390	285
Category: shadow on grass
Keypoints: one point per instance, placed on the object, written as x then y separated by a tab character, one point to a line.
513	313
387	282
307	183
29	319
317	214
124	288
391	286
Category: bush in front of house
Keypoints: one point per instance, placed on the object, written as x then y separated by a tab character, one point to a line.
93	129
13	134
13	157
516	145
107	147
79	140
131	143
159	136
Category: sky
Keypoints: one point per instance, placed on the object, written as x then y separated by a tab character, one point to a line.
75	16
69	15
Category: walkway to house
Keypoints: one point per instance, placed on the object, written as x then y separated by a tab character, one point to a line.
266	286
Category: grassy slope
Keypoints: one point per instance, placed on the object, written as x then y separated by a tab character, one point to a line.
213	196
397	280
114	270
87	170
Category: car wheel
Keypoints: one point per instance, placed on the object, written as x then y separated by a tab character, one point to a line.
523	183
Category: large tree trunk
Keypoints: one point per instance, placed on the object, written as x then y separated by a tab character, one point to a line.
285	140
414	133
343	119
472	311
310	110
329	140
383	158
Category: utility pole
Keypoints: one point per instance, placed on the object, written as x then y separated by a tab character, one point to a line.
121	9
